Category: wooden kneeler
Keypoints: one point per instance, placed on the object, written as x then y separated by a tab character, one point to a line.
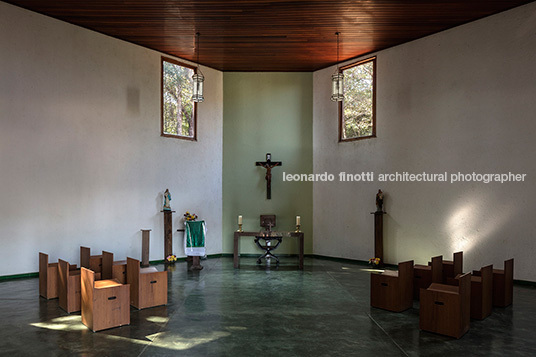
503	284
482	293
92	262
105	303
148	286
393	290
48	277
69	287
446	309
424	275
113	269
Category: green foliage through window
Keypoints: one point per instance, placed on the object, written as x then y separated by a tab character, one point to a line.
358	105
178	108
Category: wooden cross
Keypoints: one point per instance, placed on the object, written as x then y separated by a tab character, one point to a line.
268	165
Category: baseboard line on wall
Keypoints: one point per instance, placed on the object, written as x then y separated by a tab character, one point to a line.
347	260
19	276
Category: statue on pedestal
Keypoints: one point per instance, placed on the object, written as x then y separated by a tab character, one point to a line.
167	198
379	201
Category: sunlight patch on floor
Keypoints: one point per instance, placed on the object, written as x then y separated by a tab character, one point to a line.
158	319
63	323
372	270
176	342
173	341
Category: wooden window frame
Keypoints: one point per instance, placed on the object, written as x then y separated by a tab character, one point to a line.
340	104
171	60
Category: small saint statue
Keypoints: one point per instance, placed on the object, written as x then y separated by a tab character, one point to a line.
167	198
379	201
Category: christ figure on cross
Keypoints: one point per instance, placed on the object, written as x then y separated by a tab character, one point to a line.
268	165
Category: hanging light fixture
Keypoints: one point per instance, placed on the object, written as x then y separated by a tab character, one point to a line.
337	94
198	78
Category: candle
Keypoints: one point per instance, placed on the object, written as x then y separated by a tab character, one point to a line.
298	220
239	219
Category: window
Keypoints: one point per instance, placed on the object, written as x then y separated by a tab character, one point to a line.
357	112
179	112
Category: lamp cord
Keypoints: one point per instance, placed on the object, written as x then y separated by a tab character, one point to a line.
337	33
197	35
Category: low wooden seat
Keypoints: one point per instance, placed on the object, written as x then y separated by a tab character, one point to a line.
148	286
482	293
445	309
443	288
105	303
424	275
48	277
113	269
393	290
451	268
503	284
69	288
92	262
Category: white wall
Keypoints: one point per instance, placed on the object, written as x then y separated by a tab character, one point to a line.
462	100
82	161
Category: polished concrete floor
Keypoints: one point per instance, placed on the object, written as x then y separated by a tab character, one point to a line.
254	311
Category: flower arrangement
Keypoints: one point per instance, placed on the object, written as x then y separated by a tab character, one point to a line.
190	216
374	261
171	258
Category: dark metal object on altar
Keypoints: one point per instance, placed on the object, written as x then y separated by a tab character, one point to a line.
268	221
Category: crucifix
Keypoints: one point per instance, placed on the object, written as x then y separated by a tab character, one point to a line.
268	165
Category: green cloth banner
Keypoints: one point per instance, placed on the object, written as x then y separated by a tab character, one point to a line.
194	238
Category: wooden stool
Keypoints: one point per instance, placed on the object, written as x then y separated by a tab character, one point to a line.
393	290
445	309
424	275
482	293
48	277
105	303
69	287
503	284
148	286
113	269
451	268
92	262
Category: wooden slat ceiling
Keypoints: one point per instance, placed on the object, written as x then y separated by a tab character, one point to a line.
258	35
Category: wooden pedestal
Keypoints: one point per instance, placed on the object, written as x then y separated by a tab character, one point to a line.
378	235
145	233
194	262
168	233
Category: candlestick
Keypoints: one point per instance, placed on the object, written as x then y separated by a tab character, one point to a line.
298	228
240	228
